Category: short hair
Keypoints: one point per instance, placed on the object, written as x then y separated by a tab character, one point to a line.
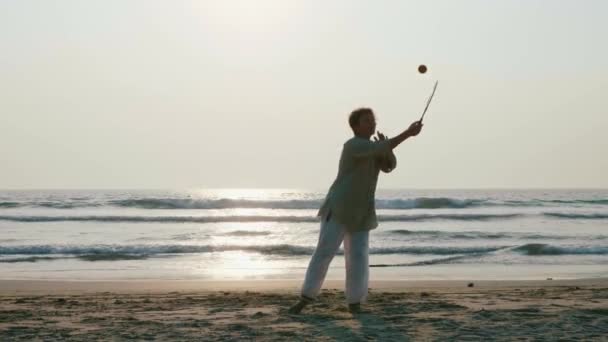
353	118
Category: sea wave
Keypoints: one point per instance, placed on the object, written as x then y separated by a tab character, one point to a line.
599	201
435	261
450	235
32	253
231	203
226	203
85	257
429	203
547	249
245	218
29	259
587	216
9	204
398	203
432	234
277	249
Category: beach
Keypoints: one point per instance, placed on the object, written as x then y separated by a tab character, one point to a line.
257	310
225	265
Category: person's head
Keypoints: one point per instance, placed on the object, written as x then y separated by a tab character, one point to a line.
363	122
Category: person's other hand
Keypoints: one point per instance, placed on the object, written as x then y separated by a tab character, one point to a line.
380	137
415	128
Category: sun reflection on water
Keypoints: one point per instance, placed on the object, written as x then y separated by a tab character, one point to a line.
240	264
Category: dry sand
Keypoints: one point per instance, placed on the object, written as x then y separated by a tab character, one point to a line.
256	310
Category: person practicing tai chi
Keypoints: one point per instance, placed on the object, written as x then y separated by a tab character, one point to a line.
348	212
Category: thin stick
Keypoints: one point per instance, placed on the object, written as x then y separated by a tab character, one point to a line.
428	102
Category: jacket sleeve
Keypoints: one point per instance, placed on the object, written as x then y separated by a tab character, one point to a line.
388	162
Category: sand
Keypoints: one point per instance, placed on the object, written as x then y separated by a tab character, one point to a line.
256	311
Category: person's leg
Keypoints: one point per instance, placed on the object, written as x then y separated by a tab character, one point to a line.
356	257
330	238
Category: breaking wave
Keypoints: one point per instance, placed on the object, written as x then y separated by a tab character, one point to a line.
246	218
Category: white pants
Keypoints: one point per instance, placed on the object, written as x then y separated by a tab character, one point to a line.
356	252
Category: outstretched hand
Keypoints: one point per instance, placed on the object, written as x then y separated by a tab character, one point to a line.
415	128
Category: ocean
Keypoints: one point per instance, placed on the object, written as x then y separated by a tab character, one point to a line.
242	234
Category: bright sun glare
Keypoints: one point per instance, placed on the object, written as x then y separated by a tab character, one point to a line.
247	17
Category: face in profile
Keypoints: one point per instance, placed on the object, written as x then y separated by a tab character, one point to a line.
367	125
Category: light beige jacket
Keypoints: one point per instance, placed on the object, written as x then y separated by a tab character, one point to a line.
351	198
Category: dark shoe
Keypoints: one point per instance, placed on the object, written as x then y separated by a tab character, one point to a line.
300	305
356	308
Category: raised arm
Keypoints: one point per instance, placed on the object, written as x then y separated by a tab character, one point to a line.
363	148
412	131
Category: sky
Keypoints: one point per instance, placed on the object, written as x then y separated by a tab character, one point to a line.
230	94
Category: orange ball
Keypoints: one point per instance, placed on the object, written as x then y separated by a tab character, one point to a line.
422	68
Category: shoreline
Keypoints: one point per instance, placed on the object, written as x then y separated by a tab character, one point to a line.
20	286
